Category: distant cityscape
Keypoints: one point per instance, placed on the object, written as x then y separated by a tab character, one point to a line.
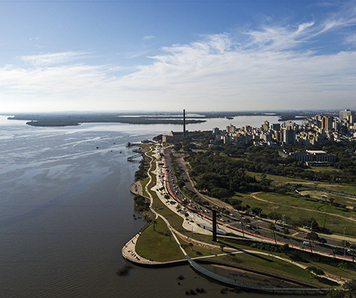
313	130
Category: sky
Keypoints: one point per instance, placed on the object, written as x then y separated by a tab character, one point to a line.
166	55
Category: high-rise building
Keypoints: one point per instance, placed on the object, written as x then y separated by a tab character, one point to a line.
289	136
265	126
216	131
230	128
343	114
327	122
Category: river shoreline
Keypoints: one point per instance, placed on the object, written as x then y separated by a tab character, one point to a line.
263	283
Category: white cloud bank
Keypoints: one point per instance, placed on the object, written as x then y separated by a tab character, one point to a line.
272	70
50	59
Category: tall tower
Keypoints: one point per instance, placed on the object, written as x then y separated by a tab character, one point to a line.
183	122
214	225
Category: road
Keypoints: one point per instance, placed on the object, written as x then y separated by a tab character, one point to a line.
238	222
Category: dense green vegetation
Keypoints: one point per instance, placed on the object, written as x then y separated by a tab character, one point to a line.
232	173
222	170
141	173
158	235
266	160
220	176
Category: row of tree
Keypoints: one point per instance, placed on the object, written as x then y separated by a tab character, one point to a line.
221	176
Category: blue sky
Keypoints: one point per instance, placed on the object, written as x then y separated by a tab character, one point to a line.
160	55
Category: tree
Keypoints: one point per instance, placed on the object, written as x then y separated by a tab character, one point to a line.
275	215
256	210
285	231
177	147
322	240
313	236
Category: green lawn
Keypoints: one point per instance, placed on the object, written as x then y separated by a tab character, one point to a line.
270	265
156	244
304	203
144	183
337	198
281	180
324	169
333	223
278	180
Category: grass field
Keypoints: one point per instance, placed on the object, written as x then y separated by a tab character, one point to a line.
270	265
324	169
281	180
348	201
156	244
282	205
304	203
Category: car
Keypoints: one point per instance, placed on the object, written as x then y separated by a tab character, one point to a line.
306	243
305	237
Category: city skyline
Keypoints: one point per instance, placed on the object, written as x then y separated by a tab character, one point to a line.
156	56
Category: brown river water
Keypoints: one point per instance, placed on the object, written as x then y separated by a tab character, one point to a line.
66	211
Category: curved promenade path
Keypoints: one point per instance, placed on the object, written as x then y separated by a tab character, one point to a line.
129	253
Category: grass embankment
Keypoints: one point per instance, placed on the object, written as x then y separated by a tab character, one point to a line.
325	215
265	264
275	266
323	169
281	180
144	183
322	213
157	244
340	199
269	265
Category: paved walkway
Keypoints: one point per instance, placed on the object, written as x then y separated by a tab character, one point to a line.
136	188
333	236
129	249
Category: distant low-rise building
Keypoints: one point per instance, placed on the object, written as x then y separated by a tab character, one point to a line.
309	156
173	136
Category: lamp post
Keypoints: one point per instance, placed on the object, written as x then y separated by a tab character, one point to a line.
344	240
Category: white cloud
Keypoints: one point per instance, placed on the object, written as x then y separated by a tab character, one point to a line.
275	69
148	37
344	17
351	39
56	58
281	38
